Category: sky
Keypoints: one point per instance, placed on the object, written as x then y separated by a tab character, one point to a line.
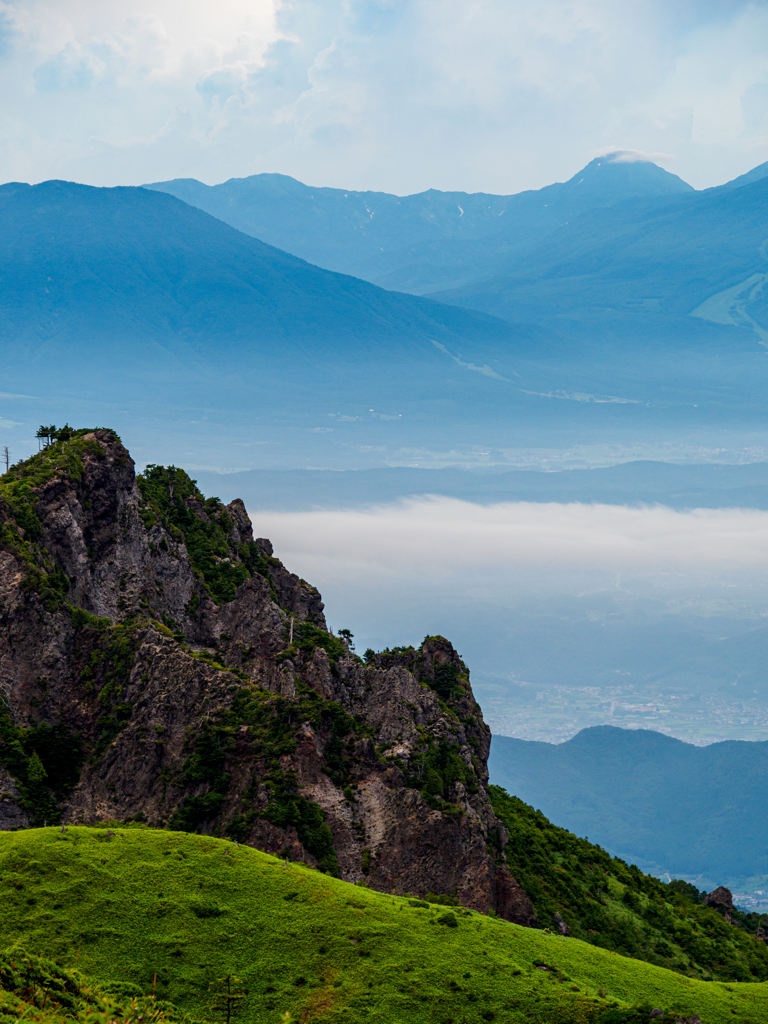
393	95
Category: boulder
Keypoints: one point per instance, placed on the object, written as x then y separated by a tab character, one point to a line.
560	924
721	899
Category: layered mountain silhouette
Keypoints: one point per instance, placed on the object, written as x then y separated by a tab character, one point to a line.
642	287
621	241
651	799
92	264
620	303
414	243
700	255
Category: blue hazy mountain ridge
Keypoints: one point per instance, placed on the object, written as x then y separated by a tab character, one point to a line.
420	242
761	171
708	485
642	266
649	798
619	255
127	268
132	295
608	265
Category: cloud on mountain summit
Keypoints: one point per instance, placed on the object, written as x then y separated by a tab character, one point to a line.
390	94
636	156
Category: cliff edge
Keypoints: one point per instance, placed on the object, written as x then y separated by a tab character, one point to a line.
158	663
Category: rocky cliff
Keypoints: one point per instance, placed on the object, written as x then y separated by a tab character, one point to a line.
158	663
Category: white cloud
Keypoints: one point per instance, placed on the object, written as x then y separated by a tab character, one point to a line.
713	77
499	580
603	598
440	536
635	156
394	94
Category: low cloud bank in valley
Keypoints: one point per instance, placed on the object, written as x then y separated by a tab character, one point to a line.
567	615
436	536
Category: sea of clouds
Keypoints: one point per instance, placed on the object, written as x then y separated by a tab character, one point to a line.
435	537
479	573
562	611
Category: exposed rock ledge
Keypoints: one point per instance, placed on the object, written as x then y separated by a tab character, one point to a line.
241	716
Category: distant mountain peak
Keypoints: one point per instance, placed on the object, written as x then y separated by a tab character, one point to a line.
627	174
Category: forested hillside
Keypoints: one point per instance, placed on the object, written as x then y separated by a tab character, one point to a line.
609	903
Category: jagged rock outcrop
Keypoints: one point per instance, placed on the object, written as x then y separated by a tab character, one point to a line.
159	663
721	899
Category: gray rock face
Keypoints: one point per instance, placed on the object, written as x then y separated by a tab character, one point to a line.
12	816
560	924
219	722
721	899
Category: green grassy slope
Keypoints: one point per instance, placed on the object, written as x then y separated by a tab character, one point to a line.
38	990
612	904
187	909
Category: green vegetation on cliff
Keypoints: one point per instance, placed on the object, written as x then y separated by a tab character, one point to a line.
20	526
206	530
44	761
611	904
135	909
269	725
